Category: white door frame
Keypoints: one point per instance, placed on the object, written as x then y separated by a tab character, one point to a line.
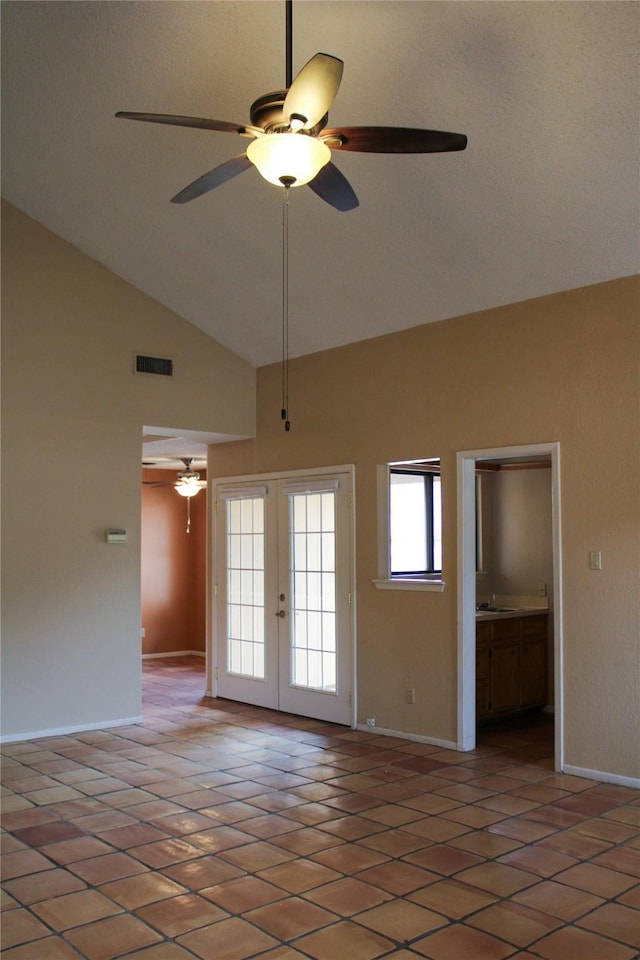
466	581
212	638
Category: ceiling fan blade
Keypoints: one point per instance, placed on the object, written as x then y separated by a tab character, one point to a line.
313	91
393	140
201	123
214	178
333	187
157	483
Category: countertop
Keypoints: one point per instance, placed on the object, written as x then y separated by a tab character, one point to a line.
506	614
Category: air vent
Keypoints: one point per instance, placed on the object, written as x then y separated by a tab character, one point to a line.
159	366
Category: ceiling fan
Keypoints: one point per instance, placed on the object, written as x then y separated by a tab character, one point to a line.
187	484
290	142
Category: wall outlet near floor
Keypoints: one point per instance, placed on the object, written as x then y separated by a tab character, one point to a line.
410	695
370	721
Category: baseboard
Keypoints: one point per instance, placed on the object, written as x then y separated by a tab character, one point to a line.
603	776
64	731
174	653
414	737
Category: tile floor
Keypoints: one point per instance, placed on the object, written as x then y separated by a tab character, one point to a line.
219	831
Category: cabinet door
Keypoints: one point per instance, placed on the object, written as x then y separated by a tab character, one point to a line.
483	680
534	672
533	626
505	675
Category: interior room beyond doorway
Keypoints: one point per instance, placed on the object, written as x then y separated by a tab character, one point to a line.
509	585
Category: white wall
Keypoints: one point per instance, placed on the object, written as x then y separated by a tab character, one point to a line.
71	450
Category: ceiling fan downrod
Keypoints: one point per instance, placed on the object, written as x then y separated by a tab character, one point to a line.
284	413
289	42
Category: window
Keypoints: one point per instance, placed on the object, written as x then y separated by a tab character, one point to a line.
415	520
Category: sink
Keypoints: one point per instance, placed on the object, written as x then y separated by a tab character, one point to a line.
482	609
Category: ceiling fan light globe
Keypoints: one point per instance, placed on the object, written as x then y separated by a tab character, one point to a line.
291	158
187	488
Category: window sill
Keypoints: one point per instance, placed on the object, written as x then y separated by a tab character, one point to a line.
410	583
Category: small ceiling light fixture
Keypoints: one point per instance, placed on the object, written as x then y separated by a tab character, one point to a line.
288	159
188	485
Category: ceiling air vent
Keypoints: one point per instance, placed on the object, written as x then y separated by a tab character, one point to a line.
160	366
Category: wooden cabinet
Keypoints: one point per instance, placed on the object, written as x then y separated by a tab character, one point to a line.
511	665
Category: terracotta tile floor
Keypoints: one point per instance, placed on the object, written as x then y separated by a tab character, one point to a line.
219	831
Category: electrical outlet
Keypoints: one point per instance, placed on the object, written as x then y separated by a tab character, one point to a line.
410	695
370	721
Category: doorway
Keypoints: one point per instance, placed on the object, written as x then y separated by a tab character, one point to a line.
467	554
173	546
283	593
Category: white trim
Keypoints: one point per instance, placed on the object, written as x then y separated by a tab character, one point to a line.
283	474
310	486
602	775
382	479
558	609
64	731
466	462
174	653
409	583
229	492
414	737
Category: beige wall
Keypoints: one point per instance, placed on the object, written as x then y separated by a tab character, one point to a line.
522	549
561	368
72	417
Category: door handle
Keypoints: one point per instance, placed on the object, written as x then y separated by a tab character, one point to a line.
281	614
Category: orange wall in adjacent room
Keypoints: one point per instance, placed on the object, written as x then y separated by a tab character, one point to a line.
173	568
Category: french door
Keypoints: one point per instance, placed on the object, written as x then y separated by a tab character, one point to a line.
283	594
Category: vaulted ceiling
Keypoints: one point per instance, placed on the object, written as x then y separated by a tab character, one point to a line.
544	198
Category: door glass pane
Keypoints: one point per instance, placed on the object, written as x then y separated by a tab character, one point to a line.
245	587
313	591
328	592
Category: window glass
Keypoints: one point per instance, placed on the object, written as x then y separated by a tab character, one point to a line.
415	520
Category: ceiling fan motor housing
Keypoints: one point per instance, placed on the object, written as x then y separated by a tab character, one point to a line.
266	112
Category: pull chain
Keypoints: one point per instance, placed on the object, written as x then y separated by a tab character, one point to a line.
285	308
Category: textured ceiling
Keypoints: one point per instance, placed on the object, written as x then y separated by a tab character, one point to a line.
545	197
